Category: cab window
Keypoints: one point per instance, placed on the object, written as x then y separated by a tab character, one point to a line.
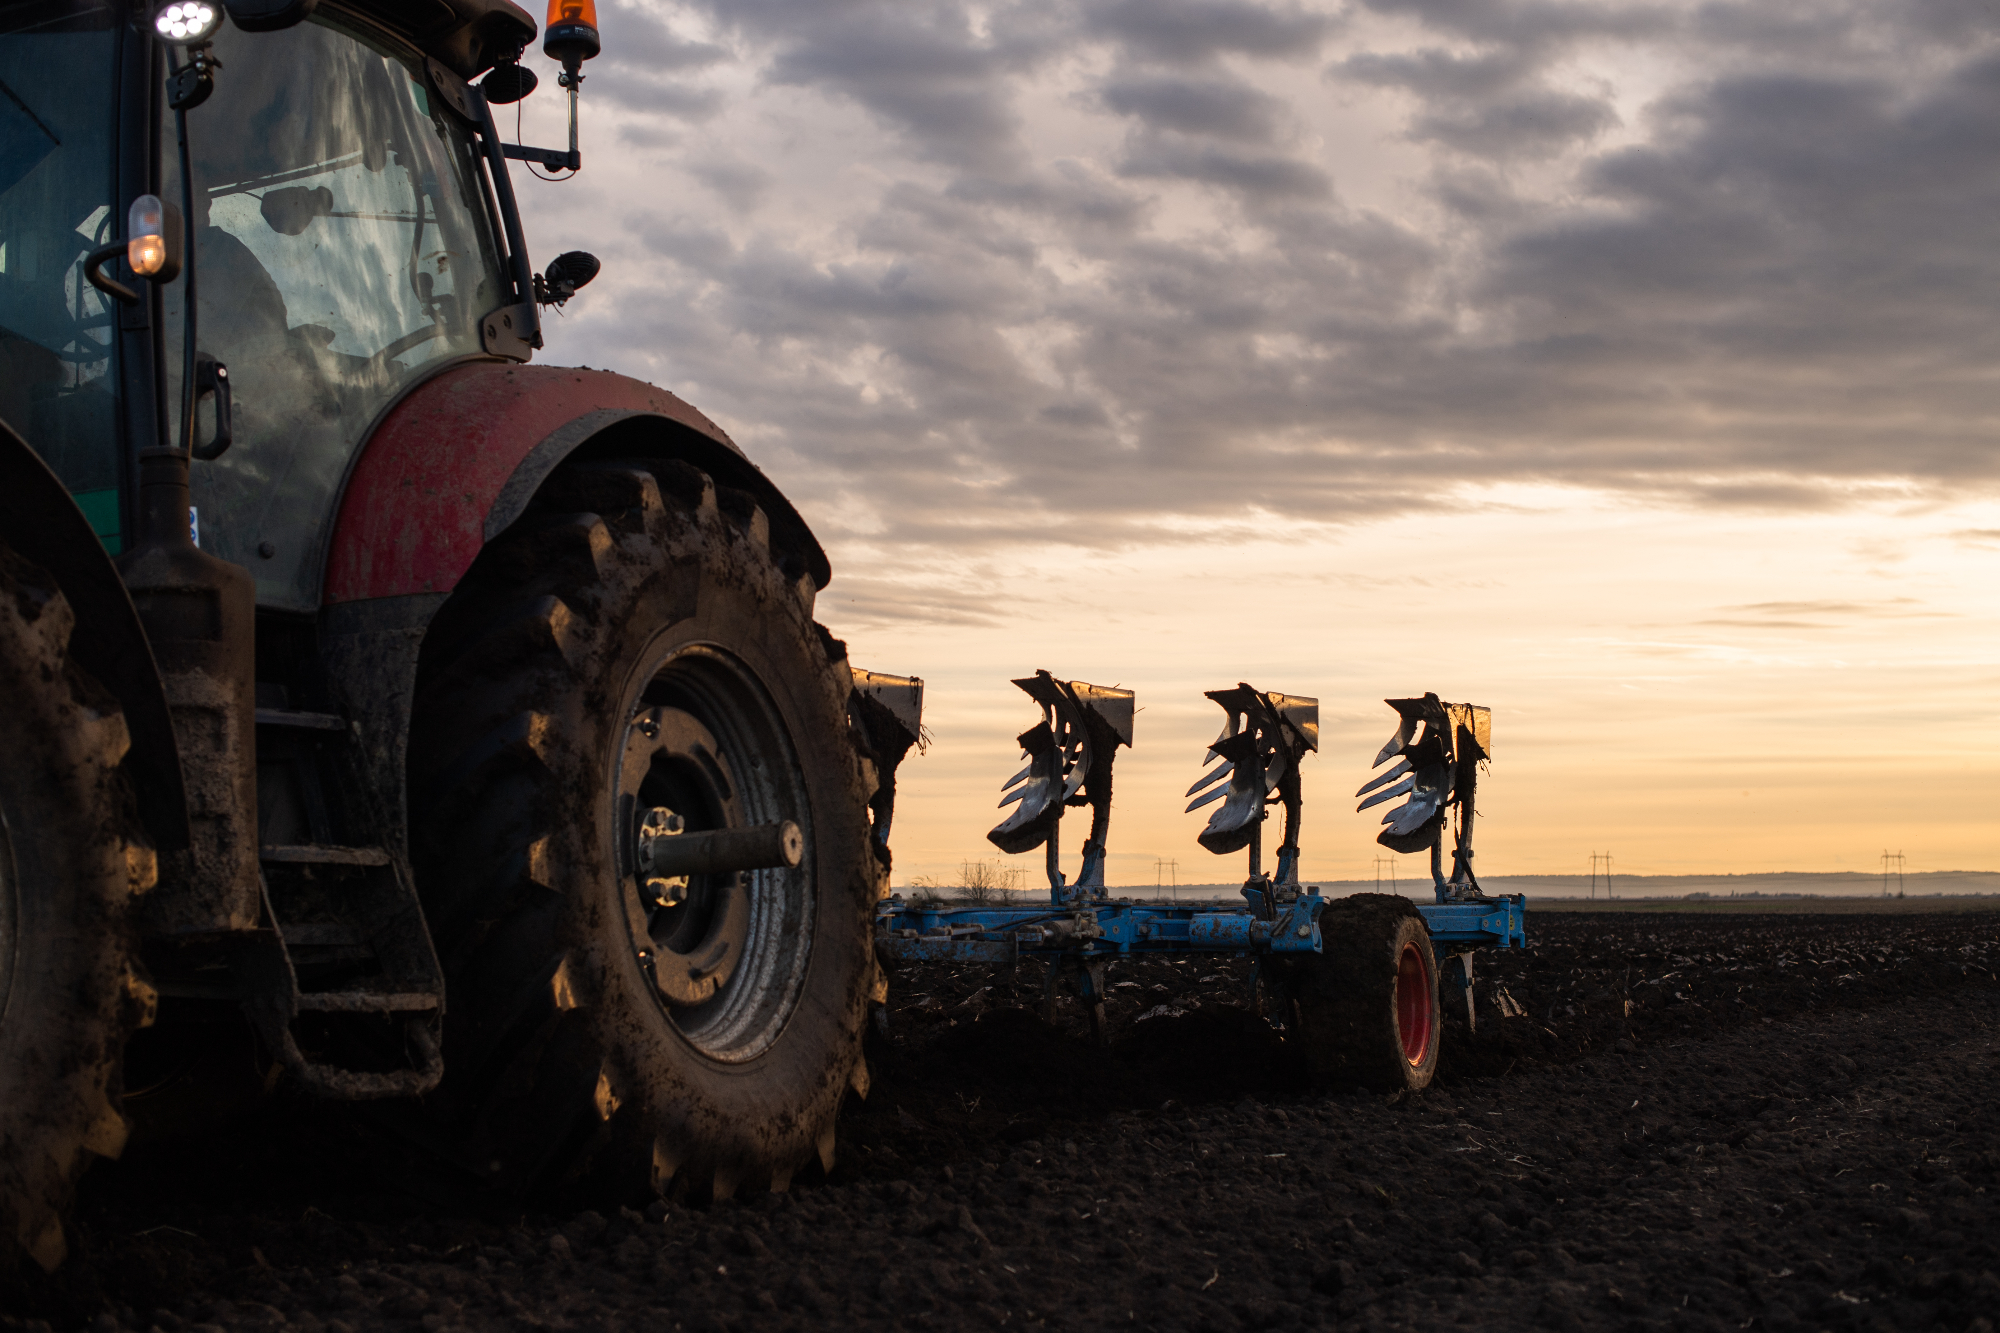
343	250
55	208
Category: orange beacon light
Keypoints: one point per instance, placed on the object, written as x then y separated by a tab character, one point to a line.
570	35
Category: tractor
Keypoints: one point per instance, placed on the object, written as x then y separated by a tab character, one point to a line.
392	716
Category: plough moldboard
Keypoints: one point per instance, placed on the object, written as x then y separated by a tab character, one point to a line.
1363	971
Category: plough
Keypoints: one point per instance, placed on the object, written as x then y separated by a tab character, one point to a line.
1358	976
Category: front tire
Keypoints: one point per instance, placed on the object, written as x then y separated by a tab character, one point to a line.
632	646
1368	1005
70	864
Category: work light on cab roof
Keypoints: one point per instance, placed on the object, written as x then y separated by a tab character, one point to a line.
189	22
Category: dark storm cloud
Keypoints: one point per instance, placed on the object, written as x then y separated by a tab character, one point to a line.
921	67
1492	105
1439	74
646	66
1531	123
743	184
1536	23
928	79
1806	255
665	98
1774	288
1255	175
1212	130
641	40
863	602
1192	31
1224	109
1068	192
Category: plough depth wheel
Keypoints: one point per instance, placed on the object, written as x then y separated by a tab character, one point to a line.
1368	1005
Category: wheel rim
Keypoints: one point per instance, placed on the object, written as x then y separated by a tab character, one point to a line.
1414	1019
726	953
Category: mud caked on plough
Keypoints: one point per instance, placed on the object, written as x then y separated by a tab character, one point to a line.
1357	977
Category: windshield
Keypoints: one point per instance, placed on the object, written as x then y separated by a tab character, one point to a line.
57	73
342	252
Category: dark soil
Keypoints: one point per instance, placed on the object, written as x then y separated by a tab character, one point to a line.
1694	1122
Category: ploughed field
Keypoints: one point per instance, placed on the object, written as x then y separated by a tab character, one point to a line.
1684	1122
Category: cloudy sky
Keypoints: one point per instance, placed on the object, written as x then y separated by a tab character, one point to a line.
1629	368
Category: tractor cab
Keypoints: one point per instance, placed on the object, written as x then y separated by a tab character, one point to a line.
346	240
344	252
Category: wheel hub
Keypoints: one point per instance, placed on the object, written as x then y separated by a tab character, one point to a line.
694	926
712	845
655	885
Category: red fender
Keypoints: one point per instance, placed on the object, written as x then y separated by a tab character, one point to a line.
417	502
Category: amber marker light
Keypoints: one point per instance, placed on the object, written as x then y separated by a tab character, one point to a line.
153	239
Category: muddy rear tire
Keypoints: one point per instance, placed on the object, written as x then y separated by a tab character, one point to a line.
70	865
1368	1005
634	645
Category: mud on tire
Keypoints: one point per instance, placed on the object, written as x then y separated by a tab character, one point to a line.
1367	1006
633	643
71	862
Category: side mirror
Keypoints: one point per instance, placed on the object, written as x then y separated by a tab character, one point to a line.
567	272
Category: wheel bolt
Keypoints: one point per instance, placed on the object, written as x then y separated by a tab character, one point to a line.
660	822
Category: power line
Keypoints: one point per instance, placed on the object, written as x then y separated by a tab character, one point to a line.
1603	858
1894	859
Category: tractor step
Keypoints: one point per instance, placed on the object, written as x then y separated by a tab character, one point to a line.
323	935
367	1002
312	854
286	717
349	947
323	944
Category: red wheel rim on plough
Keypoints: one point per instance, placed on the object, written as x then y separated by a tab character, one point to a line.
1414	1020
